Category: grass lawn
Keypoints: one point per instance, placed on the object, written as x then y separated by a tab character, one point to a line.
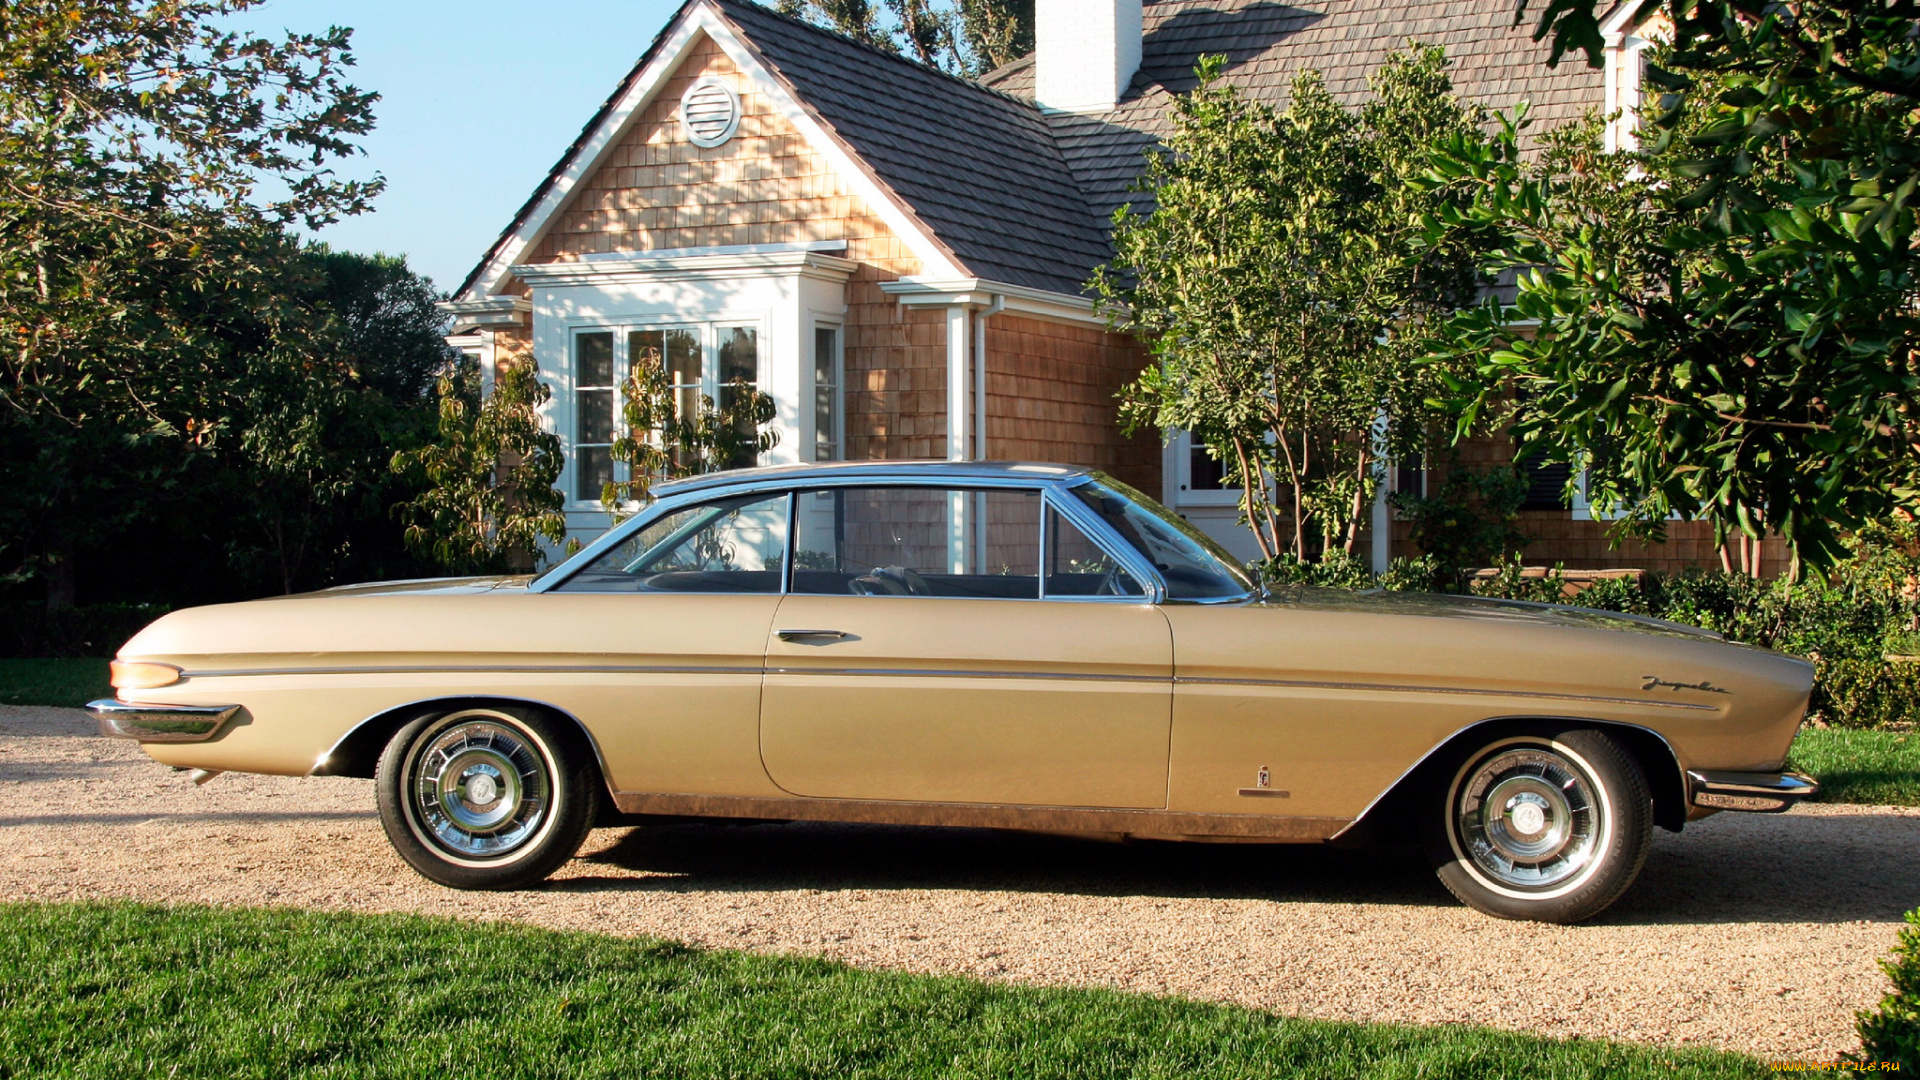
71	683
1881	767
120	990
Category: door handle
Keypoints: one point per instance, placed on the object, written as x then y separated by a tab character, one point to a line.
801	635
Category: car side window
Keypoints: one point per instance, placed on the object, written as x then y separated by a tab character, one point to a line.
918	541
1077	568
735	545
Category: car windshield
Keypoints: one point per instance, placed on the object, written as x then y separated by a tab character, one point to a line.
1195	568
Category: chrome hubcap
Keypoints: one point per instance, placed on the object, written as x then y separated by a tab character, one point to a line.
479	787
1529	817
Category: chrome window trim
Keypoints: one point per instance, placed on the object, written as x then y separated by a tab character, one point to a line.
662	507
710	491
1097	530
1159	587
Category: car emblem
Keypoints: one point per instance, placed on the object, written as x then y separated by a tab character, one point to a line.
1263	786
1655	682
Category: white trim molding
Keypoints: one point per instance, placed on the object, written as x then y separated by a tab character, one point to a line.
492	312
917	291
698	19
611	268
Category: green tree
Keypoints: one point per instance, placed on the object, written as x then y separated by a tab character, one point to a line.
489	499
149	160
1731	333
321	414
962	37
666	437
1282	287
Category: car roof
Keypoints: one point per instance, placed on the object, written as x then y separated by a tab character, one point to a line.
919	471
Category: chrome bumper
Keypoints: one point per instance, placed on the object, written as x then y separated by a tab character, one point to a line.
1759	793
160	723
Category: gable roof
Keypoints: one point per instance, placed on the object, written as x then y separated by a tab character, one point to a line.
979	167
1022	196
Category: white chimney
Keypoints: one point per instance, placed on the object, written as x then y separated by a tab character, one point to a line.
1085	52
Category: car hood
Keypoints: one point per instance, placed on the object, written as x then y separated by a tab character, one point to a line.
1434	605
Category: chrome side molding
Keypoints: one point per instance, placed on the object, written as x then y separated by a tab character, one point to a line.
1754	793
160	723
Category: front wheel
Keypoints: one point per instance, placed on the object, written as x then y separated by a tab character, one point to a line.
1551	827
486	798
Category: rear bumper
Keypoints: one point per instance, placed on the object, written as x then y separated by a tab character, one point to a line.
160	723
1758	793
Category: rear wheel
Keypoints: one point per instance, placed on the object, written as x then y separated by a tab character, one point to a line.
1550	826
487	798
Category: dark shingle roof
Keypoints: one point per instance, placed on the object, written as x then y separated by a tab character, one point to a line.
1022	196
979	168
1267	44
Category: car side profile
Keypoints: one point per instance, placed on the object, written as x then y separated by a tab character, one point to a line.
1000	645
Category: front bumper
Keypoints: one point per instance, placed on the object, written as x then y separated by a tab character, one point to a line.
160	723
1758	793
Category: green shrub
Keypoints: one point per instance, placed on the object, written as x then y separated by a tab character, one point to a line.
92	630
1892	1032
1866	693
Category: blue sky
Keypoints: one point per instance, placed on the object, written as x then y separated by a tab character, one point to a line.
478	99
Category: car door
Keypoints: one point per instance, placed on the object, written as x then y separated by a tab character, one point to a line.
915	657
667	632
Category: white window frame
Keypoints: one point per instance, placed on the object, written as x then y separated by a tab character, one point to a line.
707	330
838	436
1185	491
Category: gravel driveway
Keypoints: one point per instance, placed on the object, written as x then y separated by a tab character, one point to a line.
1754	933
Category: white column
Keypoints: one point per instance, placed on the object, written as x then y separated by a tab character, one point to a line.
959	380
959	412
1382	530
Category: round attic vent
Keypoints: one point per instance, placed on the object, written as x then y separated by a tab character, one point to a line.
711	111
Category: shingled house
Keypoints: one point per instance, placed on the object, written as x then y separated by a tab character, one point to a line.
898	257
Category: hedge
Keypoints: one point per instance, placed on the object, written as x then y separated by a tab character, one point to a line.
93	630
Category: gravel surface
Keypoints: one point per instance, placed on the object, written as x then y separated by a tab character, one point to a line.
1753	933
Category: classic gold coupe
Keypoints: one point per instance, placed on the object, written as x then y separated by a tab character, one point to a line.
998	645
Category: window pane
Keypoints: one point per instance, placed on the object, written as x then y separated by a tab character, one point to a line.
918	541
595	359
739	354
645	346
1076	566
1194	567
730	545
596	416
825	351
826	393
739	359
824	446
683	358
593	471
1205	472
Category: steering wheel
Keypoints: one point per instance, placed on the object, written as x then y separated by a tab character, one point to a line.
1110	583
889	581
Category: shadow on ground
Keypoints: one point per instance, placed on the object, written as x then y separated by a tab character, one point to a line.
1772	870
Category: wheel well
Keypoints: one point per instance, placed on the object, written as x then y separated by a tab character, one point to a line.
1665	780
359	752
